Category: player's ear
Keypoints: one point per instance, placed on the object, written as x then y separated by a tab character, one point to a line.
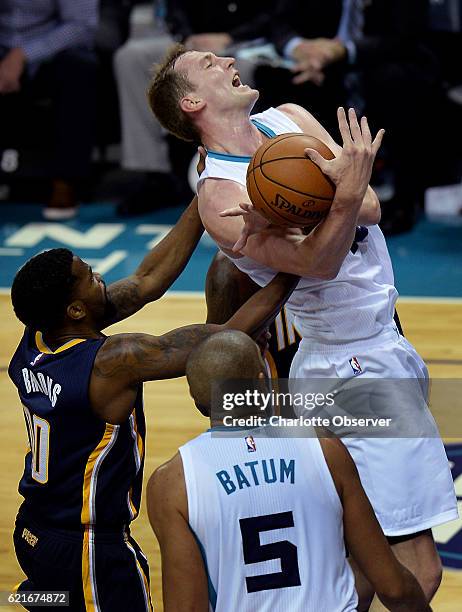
192	103
76	310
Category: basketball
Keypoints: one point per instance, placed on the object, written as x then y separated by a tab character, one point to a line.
285	186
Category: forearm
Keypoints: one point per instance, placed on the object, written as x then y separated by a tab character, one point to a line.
165	262
369	213
63	37
158	270
226	289
322	252
77	27
261	309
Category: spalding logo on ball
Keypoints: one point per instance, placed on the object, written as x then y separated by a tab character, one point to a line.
285	186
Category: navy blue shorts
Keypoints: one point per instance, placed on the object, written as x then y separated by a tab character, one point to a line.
103	572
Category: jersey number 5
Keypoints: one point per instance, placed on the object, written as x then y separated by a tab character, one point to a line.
254	552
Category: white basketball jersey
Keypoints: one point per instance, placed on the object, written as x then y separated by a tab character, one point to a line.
268	521
359	303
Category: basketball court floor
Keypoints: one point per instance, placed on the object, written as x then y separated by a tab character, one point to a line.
429	277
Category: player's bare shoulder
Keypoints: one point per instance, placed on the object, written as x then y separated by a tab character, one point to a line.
215	196
308	124
298	114
166	489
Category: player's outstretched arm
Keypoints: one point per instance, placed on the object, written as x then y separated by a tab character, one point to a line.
158	270
394	585
184	579
126	360
226	289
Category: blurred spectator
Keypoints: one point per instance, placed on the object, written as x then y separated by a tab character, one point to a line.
301	31
445	40
112	33
376	50
219	26
46	48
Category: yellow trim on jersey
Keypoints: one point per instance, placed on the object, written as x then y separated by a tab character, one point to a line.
43	348
139	439
133	508
274	376
105	440
290	328
143	576
272	365
146	585
86	574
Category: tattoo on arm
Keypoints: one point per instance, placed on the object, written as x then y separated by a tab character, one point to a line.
124	299
134	358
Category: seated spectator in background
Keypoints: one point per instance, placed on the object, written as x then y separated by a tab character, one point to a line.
301	31
46	48
218	26
445	41
370	52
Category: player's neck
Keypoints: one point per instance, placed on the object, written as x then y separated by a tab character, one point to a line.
58	337
234	134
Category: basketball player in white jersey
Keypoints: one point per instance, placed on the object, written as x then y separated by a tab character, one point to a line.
249	520
344	303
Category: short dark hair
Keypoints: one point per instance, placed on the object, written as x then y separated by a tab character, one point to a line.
164	93
42	289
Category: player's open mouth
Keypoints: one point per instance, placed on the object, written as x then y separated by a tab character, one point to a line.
236	82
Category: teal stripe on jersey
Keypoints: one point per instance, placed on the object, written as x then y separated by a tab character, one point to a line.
211	588
243	159
264	128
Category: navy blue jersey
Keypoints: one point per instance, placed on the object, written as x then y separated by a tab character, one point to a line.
283	345
78	470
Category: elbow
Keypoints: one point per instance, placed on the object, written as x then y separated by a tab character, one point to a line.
403	592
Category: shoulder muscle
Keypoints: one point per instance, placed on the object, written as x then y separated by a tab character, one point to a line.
309	125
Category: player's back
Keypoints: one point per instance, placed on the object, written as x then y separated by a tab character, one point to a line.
78	469
268	520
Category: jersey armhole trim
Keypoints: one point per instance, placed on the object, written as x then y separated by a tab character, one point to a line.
326	477
190	485
210	587
264	129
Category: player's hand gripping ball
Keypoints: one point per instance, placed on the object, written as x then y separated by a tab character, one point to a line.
285	186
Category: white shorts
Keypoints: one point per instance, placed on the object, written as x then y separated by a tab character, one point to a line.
407	480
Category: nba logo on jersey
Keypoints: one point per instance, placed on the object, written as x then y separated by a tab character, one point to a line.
251	446
355	366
